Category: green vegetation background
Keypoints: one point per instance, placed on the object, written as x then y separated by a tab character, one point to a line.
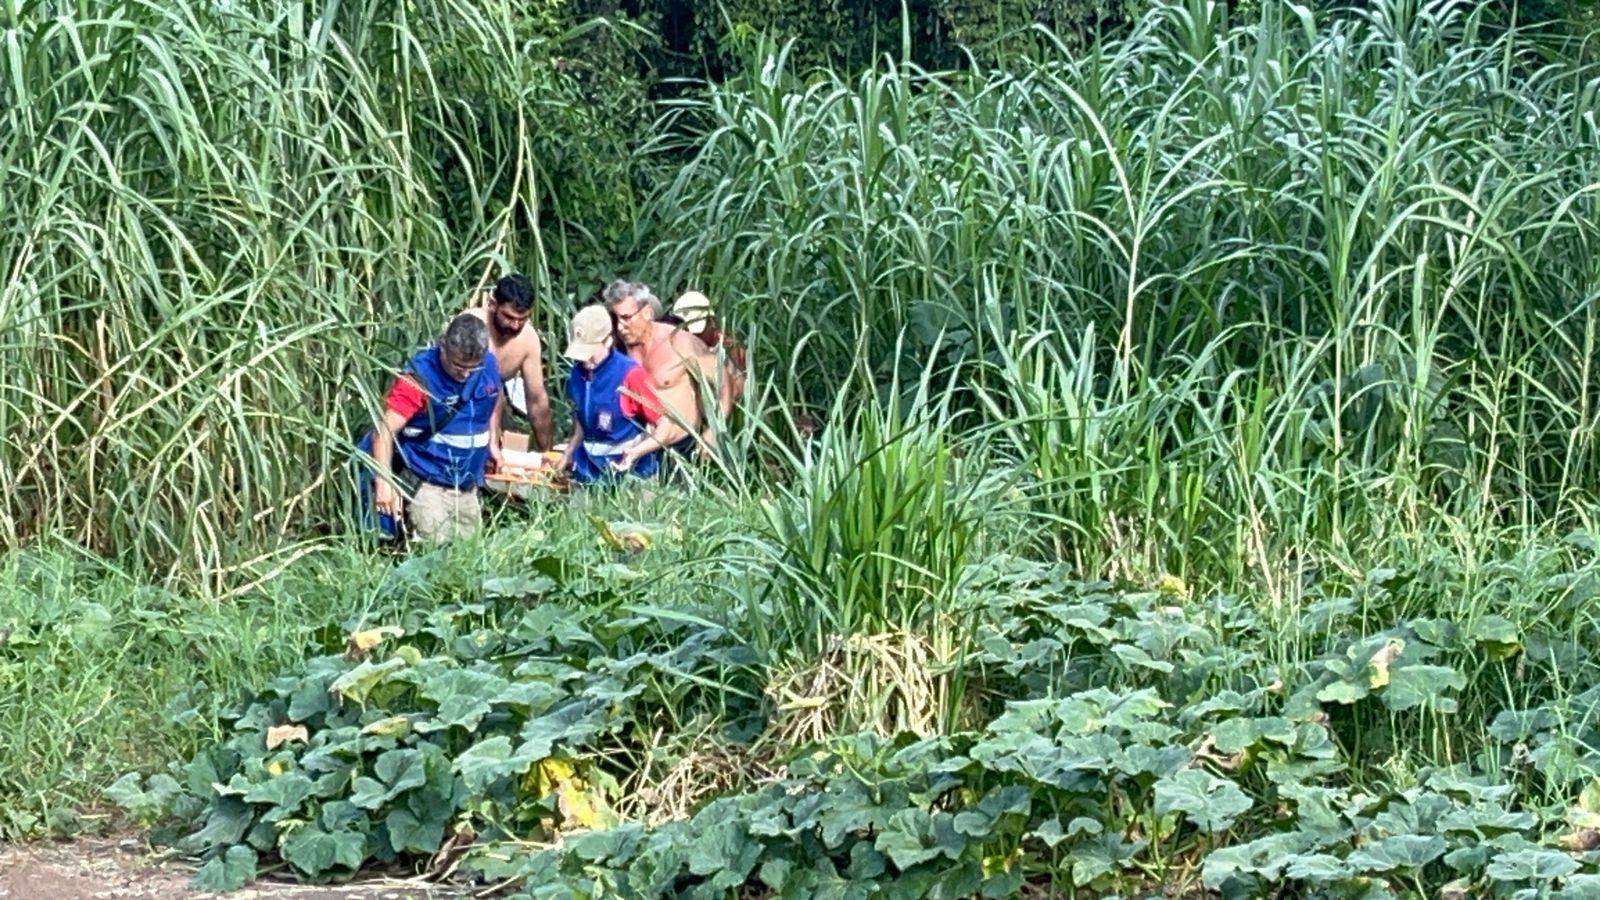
1280	317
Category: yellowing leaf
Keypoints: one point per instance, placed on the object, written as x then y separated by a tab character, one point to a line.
1589	797
1585	814
622	536
362	642
278	735
392	727
1173	586
1581	841
1381	661
607	536
581	806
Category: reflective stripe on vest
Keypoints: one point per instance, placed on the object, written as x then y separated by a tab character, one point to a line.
600	448
463	441
446	443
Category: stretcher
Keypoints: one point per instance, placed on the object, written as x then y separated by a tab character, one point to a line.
526	473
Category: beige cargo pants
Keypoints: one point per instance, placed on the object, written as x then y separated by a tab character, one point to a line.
438	514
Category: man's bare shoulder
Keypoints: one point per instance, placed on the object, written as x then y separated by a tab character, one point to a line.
689	344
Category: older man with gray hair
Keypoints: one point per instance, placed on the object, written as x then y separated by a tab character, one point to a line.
673	358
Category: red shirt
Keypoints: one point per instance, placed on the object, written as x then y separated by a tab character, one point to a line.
405	398
640	385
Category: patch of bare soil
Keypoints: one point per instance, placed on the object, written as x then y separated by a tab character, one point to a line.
111	870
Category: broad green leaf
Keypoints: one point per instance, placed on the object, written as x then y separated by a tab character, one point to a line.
998	803
617	844
285	792
725	853
226	823
1235	735
315	852
1265	857
489	760
144	801
463	696
1090	862
401	770
1136	657
1050	832
1468	859
1419	685
866	863
356	684
1496	635
1487	821
369	793
230	871
1579	887
408	834
1344	692
572	723
1530	865
1402	851
915	835
518	586
1211	803
1521	724
1316	868
1142	759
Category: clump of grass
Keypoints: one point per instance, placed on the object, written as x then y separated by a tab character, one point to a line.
863	554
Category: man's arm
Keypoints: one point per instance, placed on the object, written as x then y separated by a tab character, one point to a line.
386	499
538	399
727	380
496	456
657	437
640	401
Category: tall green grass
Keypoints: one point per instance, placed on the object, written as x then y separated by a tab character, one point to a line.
225	223
1224	287
857	567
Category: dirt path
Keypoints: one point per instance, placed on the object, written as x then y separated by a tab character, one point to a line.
103	870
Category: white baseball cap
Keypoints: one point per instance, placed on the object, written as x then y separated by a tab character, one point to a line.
694	308
590	330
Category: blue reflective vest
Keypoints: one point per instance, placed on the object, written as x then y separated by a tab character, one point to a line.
597	405
445	443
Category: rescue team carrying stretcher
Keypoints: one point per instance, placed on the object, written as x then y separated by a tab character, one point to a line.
634	389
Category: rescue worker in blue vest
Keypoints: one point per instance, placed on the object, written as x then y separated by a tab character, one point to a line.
437	435
617	423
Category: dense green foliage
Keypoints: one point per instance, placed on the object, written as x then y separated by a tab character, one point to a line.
1297	221
1277	318
1106	739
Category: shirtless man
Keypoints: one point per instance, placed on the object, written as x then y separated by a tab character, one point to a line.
693	312
672	356
516	348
